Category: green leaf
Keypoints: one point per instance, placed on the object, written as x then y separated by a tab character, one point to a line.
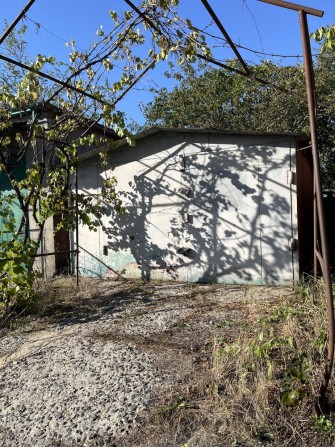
292	397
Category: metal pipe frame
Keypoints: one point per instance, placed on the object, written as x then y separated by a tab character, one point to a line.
322	257
319	221
295	7
319	215
16	21
226	35
221	64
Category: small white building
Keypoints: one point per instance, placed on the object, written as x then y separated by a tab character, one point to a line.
201	206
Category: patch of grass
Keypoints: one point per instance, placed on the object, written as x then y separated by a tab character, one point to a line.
325	425
260	388
59	300
270	375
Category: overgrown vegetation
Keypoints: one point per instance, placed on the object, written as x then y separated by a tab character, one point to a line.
247	380
260	386
270	376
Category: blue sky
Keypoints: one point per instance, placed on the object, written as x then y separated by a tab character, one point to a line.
253	24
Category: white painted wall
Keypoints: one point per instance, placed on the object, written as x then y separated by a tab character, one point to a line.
200	206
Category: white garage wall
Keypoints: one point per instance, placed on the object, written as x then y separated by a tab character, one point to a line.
200	206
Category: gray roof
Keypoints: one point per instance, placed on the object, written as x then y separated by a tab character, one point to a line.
155	130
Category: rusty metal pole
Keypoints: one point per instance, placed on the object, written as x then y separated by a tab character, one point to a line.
77	225
315	236
324	256
319	214
295	7
226	35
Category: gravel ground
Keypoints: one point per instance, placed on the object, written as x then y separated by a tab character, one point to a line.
82	375
76	389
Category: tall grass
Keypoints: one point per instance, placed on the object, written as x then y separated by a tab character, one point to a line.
269	377
260	388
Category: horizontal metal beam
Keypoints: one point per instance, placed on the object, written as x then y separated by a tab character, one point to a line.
295	7
41	255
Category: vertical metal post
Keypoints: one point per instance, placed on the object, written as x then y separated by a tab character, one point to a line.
319	220
324	256
315	237
77	225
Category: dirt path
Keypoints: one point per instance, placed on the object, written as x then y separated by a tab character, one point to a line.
184	312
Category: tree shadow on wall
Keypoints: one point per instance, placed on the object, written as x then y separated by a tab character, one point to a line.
223	215
133	231
240	214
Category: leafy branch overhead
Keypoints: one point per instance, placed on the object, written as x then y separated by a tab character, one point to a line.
49	114
325	35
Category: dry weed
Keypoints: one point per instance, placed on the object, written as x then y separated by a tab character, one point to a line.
260	389
270	376
256	387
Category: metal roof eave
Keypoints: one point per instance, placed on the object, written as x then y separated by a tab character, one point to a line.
155	130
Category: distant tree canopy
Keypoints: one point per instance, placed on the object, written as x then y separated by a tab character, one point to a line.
211	98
